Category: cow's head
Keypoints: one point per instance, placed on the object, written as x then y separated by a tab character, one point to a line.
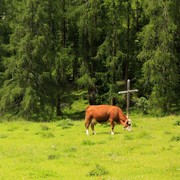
128	125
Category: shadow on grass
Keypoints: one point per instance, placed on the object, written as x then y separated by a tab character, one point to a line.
100	133
108	133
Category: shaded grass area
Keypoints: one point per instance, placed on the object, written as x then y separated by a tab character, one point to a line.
61	150
76	109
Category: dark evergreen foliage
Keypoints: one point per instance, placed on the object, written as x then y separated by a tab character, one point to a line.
49	48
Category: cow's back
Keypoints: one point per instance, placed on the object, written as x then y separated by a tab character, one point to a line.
102	112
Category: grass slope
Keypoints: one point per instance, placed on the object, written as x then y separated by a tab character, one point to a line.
61	150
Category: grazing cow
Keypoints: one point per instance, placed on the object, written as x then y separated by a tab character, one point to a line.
103	113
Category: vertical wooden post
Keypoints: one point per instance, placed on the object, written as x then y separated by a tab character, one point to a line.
128	97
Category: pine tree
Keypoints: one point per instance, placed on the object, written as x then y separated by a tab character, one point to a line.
89	38
27	68
175	12
62	67
160	64
117	48
2	28
4	32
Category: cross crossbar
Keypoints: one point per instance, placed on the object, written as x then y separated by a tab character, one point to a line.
128	91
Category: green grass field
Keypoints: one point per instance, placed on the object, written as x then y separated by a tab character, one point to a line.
61	150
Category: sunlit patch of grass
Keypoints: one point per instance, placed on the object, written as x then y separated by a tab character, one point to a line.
144	135
42	173
128	137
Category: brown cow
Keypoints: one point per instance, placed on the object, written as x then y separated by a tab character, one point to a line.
103	113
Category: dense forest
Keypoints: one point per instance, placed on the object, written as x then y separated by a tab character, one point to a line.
50	48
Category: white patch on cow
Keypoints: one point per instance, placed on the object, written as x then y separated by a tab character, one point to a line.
87	132
112	133
129	128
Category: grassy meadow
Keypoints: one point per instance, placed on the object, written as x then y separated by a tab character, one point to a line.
61	150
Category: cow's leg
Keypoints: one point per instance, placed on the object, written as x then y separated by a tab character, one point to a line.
112	127
92	127
87	123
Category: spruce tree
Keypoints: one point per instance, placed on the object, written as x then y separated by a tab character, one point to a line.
117	49
4	31
89	28
28	67
62	66
160	64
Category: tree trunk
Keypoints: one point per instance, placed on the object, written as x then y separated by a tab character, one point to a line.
58	106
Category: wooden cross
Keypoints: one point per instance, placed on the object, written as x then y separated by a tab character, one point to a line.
128	91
